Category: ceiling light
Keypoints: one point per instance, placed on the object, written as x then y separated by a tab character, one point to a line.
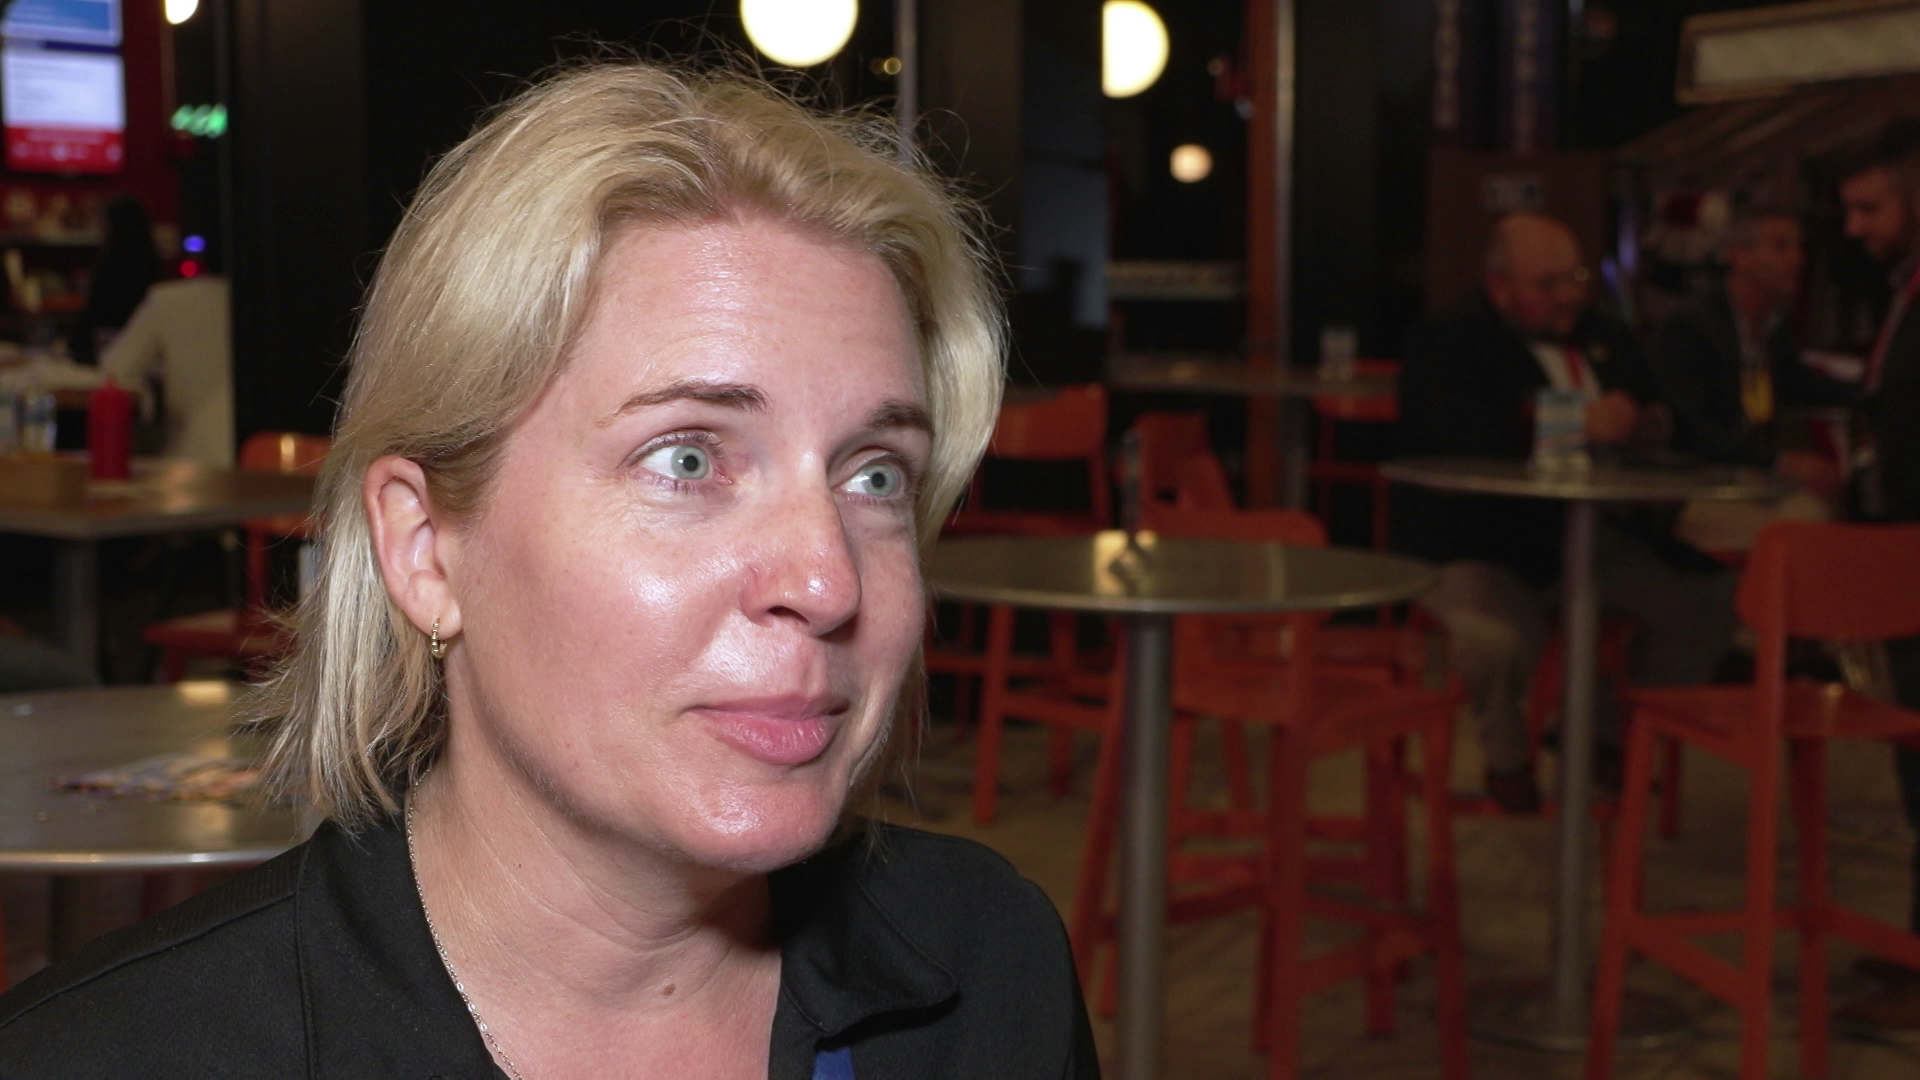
799	33
1133	47
179	11
1191	163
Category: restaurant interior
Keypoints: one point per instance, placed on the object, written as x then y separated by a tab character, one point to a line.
1198	661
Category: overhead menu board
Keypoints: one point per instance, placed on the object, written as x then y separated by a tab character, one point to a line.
74	22
65	111
62	86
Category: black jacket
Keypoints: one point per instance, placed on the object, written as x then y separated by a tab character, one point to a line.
929	957
1696	356
1467	386
1891	414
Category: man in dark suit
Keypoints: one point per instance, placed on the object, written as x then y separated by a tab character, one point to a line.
1468	385
1881	196
1728	362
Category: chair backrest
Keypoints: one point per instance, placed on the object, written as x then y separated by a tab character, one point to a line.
284	452
1367	408
1202	484
1167	440
1833	581
1067	425
1295	527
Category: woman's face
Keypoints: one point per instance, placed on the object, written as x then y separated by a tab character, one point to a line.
689	600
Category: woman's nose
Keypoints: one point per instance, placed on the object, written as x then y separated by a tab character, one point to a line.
807	570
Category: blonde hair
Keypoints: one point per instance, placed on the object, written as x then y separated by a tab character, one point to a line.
474	305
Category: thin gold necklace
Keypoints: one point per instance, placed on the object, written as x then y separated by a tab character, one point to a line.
486	1033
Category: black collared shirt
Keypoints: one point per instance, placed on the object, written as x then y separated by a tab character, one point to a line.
928	956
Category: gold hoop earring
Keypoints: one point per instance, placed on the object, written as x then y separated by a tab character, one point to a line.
436	647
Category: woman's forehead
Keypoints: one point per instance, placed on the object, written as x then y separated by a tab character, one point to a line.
755	303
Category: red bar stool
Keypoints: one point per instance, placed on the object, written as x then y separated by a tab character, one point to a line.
1327	470
249	634
1066	426
1803	580
1311	712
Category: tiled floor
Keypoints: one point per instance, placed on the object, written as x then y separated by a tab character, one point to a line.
1506	871
1506	875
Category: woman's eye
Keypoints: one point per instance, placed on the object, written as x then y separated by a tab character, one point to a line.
680	462
880	480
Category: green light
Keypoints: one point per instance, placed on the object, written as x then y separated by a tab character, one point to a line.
206	121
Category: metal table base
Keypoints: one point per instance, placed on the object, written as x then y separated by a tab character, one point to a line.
1143	855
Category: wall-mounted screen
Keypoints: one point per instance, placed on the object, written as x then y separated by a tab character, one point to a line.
65	111
77	22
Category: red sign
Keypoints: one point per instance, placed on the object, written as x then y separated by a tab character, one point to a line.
64	150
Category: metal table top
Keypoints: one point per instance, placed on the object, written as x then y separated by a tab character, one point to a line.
164	496
1205	373
1169	575
1602	483
46	736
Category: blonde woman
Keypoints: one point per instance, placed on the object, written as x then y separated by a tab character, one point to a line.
658	395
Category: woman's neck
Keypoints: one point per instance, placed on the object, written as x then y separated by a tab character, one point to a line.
540	914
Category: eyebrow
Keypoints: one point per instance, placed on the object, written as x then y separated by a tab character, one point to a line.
892	413
896	413
727	395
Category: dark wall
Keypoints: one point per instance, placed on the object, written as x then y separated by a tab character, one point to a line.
1336	164
298	131
340	106
970	100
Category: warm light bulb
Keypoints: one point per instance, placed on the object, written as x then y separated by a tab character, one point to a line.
179	11
1191	163
799	33
1133	47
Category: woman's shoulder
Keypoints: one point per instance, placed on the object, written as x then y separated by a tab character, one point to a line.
940	952
120	1005
950	883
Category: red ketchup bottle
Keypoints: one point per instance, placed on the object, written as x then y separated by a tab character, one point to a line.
110	432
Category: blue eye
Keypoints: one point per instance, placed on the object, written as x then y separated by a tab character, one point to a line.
879	480
680	461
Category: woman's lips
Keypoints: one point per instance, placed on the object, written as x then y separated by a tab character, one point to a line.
787	731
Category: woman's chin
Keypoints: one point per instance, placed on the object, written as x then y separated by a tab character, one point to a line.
759	836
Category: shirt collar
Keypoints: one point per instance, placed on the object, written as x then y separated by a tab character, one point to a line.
379	1002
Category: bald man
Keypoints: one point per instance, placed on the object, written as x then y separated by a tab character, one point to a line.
1468	386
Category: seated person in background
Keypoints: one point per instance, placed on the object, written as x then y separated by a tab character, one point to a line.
180	336
1468	386
1728	362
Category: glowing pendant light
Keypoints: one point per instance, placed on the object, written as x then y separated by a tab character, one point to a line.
1133	47
799	33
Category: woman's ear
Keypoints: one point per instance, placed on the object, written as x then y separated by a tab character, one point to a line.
411	543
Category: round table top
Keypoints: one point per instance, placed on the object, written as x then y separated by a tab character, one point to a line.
1601	483
47	736
1167	575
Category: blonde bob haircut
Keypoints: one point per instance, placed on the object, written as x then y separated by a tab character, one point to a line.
471	314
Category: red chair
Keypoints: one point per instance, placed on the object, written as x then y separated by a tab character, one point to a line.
1311	712
1167	441
1854	583
1069	425
1327	470
248	634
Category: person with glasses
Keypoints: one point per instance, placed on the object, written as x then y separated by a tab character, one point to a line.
1468	385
